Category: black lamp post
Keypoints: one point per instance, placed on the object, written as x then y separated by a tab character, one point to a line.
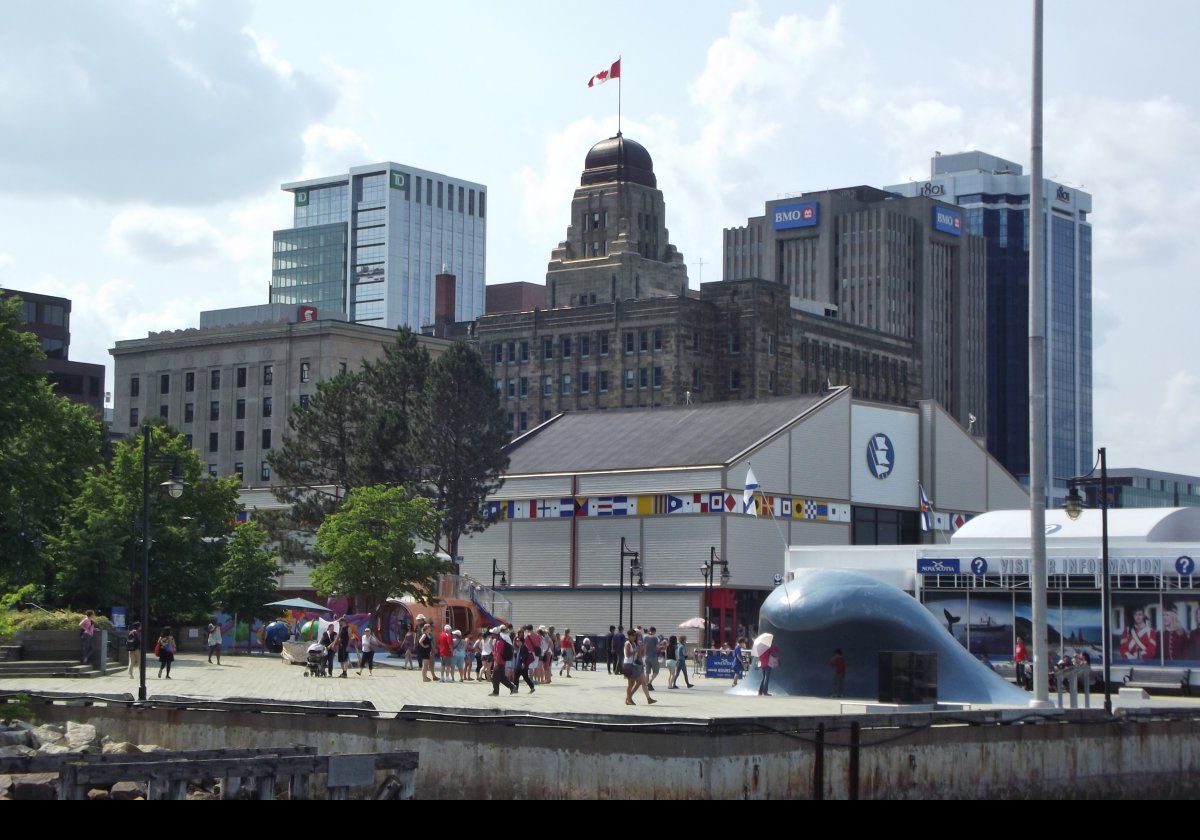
174	487
497	571
635	568
709	570
1074	507
634	562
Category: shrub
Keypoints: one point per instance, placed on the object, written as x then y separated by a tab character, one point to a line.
57	620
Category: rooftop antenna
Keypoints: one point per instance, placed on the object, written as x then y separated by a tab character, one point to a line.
970	422
687	397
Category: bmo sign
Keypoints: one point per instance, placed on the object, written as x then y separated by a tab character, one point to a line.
947	221
795	215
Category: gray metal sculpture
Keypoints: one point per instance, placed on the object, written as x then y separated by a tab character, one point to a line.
825	609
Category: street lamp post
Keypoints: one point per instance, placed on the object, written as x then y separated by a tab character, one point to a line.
1074	508
634	561
174	487
709	571
496	570
635	568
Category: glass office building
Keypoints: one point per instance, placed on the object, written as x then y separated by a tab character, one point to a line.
995	194
370	243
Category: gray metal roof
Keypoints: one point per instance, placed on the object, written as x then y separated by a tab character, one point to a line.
644	438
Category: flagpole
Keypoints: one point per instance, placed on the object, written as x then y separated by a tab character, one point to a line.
774	518
619	77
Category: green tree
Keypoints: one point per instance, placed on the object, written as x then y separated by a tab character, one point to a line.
100	537
369	547
394	389
464	438
47	445
249	576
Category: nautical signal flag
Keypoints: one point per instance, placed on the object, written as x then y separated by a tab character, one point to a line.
926	509
613	72
748	505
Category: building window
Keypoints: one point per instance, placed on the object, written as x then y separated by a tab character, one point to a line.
239	440
498	385
602	382
267	407
547	348
342	367
268	374
545	414
239	410
212	442
566	384
547	386
770	344
189	412
643	341
482	204
135	386
628	379
133	417
524	387
603	339
266	438
585	346
566	347
584	382
304	371
628	342
187	439
162	412
212	470
735	380
657	377
512	387
241	377
189	382
214	380
524	351
658	345
264	471
239	470
696	342
524	421
771	382
734	343
497	353
512	351
164	383
697	381
214	410
304	400
643	378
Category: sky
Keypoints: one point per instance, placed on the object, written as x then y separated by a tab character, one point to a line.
142	144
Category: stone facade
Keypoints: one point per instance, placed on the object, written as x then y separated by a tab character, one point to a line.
229	388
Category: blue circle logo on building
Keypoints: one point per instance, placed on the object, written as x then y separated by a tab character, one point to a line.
881	455
1185	565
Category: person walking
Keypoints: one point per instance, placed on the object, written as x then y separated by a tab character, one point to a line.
487	646
651	657
618	646
409	648
680	665
87	637
523	659
739	666
329	641
445	652
367	643
607	641
343	646
567	643
1020	657
458	656
768	661
425	651
838	663
165	650
133	647
632	669
502	652
213	641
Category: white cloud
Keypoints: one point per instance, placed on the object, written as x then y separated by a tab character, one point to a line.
1159	436
329	149
164	235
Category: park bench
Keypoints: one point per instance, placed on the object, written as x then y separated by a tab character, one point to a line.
1160	679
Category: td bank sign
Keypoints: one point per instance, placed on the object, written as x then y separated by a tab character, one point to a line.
397	180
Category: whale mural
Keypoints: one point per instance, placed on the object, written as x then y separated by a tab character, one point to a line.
824	609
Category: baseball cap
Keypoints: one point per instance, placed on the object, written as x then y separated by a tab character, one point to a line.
447	627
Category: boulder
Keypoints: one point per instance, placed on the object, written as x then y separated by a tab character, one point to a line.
120	748
202	795
35	786
127	791
46	734
14	738
17	751
5	784
53	749
99	794
80	735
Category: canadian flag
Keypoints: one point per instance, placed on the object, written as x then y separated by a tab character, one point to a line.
603	76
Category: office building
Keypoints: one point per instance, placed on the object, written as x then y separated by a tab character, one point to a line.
369	244
994	194
49	318
1137	488
832	470
514	297
229	385
905	268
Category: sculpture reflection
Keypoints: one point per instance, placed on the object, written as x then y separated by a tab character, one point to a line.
826	609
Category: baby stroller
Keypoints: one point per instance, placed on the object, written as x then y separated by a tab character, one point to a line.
316	661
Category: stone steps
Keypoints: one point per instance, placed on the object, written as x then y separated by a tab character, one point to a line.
46	668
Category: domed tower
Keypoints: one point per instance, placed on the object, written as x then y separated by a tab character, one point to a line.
616	246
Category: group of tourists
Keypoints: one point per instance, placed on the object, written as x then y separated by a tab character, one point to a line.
164	649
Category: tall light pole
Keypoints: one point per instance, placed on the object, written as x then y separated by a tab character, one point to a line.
496	570
174	487
1037	379
635	569
709	571
634	558
1074	508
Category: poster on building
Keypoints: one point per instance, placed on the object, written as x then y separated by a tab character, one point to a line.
991	627
1135	628
1079	627
951	611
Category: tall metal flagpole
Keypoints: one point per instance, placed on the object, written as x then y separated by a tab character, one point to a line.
619	76
1037	380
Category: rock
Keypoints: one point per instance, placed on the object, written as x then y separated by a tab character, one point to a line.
14	738
17	752
86	749
202	795
127	791
53	749
80	735
149	748
120	748
46	734
6	783
21	724
41	786
99	794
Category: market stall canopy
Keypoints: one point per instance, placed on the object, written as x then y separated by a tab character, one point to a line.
298	604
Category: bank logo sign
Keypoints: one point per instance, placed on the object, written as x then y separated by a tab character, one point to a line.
301	198
947	221
796	215
926	566
881	455
397	180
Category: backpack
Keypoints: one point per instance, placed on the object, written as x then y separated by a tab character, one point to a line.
133	641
